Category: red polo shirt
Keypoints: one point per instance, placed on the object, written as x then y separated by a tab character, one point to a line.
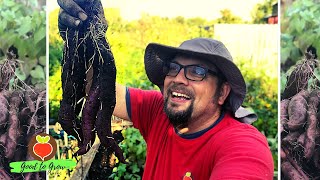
227	150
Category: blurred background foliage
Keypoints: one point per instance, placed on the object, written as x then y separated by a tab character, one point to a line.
23	25
128	40
299	30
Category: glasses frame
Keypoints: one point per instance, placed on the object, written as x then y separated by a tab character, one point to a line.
185	68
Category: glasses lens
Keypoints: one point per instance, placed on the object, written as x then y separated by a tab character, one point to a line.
173	69
195	73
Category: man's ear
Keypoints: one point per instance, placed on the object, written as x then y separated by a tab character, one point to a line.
224	92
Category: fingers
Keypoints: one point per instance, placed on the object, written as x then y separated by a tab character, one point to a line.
65	20
72	13
72	9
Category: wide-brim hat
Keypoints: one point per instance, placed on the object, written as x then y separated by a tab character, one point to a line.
207	49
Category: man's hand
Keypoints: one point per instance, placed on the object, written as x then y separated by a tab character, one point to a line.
73	13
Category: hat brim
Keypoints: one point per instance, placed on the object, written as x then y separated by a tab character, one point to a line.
157	54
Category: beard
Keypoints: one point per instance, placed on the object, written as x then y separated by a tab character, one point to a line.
178	118
182	117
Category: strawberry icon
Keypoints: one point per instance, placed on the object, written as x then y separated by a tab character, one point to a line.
42	148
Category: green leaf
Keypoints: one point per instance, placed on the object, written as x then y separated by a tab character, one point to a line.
38	73
46	139
20	74
9	15
298	26
306	15
38	138
308	3
24	28
286	37
283	81
8	3
317	74
42	60
304	41
122	168
285	52
135	168
39	35
3	25
128	176
42	139
311	83
316	44
295	54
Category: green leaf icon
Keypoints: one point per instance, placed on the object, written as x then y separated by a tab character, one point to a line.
43	139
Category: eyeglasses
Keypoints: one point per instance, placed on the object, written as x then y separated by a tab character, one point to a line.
191	72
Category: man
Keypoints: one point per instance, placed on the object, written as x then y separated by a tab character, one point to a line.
194	128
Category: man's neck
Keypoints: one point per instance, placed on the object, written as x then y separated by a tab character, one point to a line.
199	123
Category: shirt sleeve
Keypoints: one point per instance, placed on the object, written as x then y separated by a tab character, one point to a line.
243	154
144	107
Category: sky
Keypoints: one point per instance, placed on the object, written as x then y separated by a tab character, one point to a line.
208	9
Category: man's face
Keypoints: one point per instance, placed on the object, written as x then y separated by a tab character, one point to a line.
185	99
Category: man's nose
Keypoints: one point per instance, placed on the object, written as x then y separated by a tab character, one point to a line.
181	78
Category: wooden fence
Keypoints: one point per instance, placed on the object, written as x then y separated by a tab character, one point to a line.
255	43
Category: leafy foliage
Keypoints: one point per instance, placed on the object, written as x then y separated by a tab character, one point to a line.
300	29
55	93
134	148
261	11
228	17
261	97
22	26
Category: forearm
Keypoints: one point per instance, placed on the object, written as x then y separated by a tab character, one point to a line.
121	107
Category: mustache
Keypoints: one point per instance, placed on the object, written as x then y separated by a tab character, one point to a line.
180	88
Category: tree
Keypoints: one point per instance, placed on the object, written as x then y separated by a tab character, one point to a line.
228	17
261	10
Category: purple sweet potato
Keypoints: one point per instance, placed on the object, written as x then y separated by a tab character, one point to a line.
107	96
89	115
103	96
313	103
291	138
290	172
4	174
297	111
73	85
284	114
14	130
3	110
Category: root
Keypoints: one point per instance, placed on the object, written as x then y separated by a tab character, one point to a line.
34	119
298	79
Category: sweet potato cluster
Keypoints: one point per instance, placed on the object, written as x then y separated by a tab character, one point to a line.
299	123
300	130
88	73
22	115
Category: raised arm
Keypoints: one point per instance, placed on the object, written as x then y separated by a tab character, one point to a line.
121	107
